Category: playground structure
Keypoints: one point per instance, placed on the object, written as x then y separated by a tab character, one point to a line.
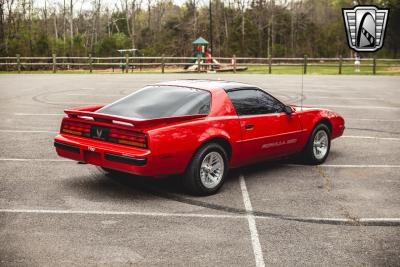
126	53
207	63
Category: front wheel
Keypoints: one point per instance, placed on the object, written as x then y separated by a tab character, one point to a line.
318	146
207	170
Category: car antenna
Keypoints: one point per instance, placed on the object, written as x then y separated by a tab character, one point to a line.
302	90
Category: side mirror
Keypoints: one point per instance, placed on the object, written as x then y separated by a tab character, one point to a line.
288	110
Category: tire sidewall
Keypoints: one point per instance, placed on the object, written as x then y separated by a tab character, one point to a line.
310	151
196	165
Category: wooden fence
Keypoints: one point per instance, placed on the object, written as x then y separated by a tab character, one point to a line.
54	63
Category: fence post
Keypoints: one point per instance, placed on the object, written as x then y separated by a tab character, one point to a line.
162	63
198	64
126	63
54	63
90	63
269	64
19	63
234	63
340	64
374	66
305	64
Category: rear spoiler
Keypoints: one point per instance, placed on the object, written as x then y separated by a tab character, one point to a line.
89	112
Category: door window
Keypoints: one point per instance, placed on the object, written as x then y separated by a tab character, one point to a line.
254	102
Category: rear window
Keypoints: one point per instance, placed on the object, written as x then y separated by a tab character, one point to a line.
154	102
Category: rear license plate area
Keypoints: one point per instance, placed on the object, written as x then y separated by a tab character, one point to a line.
92	157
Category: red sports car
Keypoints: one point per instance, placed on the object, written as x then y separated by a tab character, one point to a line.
198	128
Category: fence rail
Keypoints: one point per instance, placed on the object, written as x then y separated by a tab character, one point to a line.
198	64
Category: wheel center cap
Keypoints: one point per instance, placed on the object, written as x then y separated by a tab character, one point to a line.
207	168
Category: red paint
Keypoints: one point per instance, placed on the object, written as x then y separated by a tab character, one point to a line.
173	141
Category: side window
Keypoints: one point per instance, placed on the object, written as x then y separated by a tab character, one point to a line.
253	102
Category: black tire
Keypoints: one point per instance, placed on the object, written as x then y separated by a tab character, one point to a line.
192	179
309	154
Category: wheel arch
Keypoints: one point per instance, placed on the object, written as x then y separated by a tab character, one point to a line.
326	122
220	140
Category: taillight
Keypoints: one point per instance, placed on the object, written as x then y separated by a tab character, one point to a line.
75	128
128	138
123	137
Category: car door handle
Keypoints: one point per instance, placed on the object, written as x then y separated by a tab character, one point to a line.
249	126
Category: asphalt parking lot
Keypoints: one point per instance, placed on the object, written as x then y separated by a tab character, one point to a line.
55	212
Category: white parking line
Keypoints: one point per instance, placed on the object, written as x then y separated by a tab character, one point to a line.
341	220
351	106
346	165
27	131
370	137
95	95
358	166
255	241
259	257
43	160
366	119
39	114
136	213
344	98
71	103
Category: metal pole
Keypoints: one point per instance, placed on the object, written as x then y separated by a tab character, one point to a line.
305	64
18	63
90	63
374	66
234	63
340	64
211	32
269	64
126	63
54	63
198	64
162	64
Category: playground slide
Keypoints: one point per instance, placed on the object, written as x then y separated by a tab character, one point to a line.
194	66
216	62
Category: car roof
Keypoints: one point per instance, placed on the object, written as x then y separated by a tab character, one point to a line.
209	85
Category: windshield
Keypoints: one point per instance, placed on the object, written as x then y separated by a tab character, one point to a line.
159	102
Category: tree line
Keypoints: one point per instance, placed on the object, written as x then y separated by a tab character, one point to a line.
247	28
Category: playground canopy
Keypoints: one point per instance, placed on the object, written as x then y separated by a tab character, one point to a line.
200	41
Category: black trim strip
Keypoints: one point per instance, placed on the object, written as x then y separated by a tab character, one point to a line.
125	159
67	147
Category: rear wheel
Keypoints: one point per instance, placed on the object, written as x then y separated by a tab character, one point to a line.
318	146
207	170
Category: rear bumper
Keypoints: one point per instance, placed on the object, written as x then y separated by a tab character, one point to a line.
104	154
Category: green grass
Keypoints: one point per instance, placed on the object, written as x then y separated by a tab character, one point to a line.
325	70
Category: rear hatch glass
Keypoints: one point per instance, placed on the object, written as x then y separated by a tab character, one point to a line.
154	102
